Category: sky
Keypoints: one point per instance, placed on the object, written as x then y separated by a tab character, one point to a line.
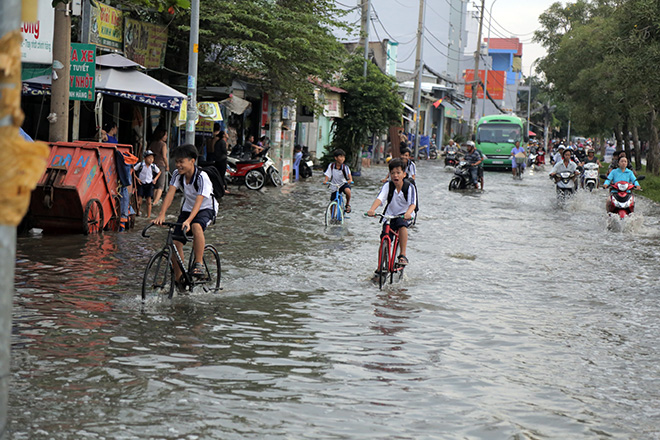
397	20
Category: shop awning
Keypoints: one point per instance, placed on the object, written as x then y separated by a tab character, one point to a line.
128	84
531	133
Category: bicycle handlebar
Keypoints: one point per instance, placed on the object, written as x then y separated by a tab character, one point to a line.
386	217
168	224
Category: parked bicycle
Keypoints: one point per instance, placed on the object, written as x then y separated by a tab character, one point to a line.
159	275
335	213
387	251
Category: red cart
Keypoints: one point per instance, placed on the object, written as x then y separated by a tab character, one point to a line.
79	189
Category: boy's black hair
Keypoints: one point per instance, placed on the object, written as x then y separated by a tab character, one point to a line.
405	150
396	163
339	152
186	151
297	148
216	126
109	126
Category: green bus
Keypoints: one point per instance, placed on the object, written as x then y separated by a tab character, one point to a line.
496	136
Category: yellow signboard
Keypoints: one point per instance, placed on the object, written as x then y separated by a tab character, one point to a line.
107	27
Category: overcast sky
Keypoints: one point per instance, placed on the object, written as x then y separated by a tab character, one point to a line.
398	22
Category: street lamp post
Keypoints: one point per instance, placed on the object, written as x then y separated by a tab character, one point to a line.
490	19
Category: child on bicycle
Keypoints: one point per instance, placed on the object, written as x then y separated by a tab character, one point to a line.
408	166
401	202
199	206
339	175
147	173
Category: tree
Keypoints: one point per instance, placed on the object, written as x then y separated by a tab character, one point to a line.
371	105
277	45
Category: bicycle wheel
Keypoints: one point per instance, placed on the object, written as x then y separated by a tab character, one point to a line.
398	269
383	262
212	271
158	276
330	213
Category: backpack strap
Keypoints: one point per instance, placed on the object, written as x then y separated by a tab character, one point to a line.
390	192
343	170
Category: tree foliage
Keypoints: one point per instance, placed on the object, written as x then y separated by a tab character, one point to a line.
277	45
371	105
602	60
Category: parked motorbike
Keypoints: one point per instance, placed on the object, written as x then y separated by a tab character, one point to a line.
306	164
565	182
432	152
253	172
590	176
461	179
622	199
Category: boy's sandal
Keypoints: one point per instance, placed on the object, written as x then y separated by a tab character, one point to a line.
198	270
348	209
402	260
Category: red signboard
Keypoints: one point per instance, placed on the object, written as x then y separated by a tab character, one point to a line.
496	82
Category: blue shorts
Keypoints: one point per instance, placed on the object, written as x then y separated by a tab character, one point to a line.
396	224
145	190
203	218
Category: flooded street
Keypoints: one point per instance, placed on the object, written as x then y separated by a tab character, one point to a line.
514	320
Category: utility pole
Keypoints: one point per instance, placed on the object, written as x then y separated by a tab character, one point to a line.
364	34
59	91
475	84
490	20
419	68
193	51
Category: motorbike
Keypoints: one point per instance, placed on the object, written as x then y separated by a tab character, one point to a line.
432	152
461	179
253	172
565	182
539	161
622	199
531	159
590	176
306	164
451	158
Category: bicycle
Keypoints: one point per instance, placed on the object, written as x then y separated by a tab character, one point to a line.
335	212
389	245
159	275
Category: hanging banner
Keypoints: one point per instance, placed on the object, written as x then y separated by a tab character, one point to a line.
496	81
106	29
82	72
37	46
145	43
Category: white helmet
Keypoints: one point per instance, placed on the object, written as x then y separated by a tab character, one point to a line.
469	144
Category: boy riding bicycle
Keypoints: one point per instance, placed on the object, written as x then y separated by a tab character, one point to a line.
339	175
199	206
402	201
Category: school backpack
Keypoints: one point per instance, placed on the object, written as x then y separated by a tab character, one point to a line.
343	170
216	180
390	192
138	170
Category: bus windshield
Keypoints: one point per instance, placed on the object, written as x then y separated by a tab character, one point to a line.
499	133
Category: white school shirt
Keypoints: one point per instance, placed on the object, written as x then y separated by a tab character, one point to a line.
190	195
399	205
146	175
337	175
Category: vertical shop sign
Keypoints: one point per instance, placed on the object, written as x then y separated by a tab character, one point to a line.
82	72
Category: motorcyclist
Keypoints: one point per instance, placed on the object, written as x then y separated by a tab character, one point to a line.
474	159
580	154
591	158
622	174
559	155
514	164
566	164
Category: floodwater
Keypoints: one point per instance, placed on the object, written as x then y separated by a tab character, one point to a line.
514	320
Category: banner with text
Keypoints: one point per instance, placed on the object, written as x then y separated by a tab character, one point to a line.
496	81
107	26
37	44
145	43
82	72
